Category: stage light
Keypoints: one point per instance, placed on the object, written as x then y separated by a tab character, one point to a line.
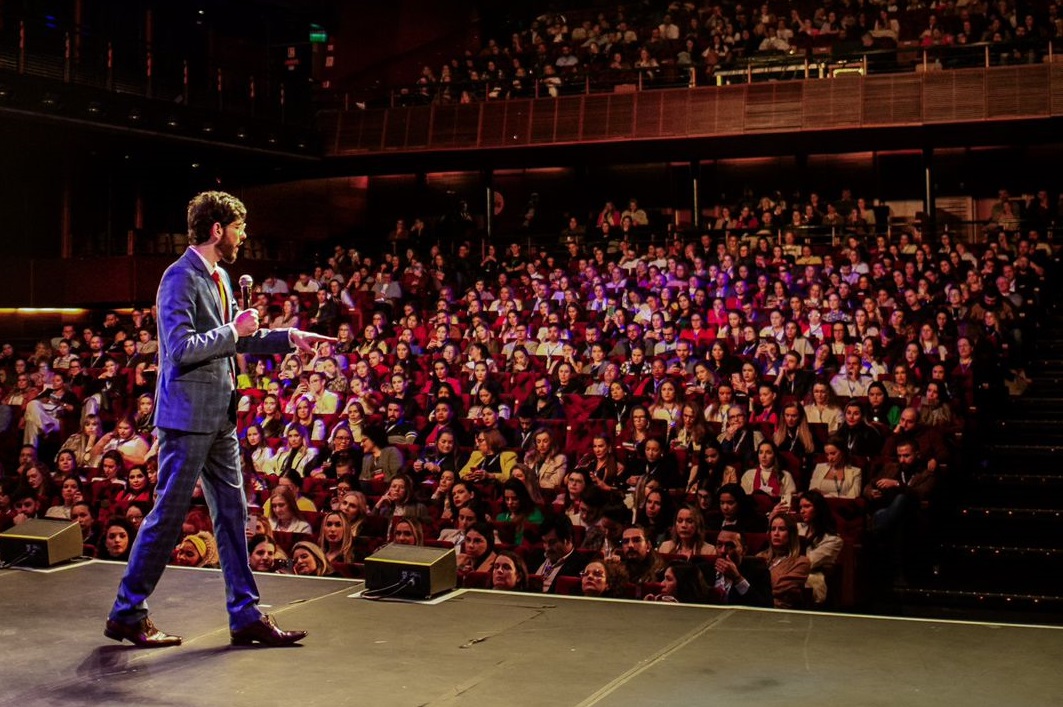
172	122
95	108
50	100
134	116
241	133
208	128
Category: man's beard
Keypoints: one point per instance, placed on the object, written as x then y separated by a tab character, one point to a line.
228	250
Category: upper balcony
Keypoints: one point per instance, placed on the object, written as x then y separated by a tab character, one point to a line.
758	108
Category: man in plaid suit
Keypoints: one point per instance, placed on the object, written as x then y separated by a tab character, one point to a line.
200	332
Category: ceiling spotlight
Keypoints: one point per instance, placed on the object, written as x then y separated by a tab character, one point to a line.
95	108
134	116
50	100
172	122
5	92
272	139
208	128
241	133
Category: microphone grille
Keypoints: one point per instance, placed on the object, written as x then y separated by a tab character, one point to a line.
246	281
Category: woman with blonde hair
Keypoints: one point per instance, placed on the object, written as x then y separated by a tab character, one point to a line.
405	530
687	537
309	560
303	416
789	568
284	512
792	433
82	443
335	538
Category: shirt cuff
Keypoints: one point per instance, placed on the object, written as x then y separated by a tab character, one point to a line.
742	587
232	328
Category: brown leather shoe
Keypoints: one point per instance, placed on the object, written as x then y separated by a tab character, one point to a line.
265	632
141	634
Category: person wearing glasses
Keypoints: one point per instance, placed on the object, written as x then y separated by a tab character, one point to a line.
738	579
602	579
737	440
543	403
490	460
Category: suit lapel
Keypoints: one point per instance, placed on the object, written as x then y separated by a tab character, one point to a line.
197	264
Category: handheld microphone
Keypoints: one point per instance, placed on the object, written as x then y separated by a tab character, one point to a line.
246	281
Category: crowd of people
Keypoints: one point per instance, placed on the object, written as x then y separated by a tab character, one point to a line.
666	43
722	417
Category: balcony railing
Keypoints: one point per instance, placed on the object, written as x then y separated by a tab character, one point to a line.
846	100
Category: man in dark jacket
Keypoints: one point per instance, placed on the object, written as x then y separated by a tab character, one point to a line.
738	579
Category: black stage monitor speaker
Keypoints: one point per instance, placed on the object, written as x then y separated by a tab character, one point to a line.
411	571
41	542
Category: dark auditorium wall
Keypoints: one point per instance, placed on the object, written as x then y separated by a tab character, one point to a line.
313	210
401	36
30	202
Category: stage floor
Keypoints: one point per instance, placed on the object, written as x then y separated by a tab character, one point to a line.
487	648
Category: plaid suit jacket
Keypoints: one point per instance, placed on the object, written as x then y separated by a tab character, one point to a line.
197	348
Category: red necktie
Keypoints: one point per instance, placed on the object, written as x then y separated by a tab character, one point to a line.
224	296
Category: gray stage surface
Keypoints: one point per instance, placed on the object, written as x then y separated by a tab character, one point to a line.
485	648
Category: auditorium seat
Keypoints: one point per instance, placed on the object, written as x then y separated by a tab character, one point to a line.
366	545
568	586
349	570
474	580
505	531
375	526
442	544
647	588
314	519
286	541
755	542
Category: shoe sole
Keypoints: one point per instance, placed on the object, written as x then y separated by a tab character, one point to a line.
253	641
115	636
